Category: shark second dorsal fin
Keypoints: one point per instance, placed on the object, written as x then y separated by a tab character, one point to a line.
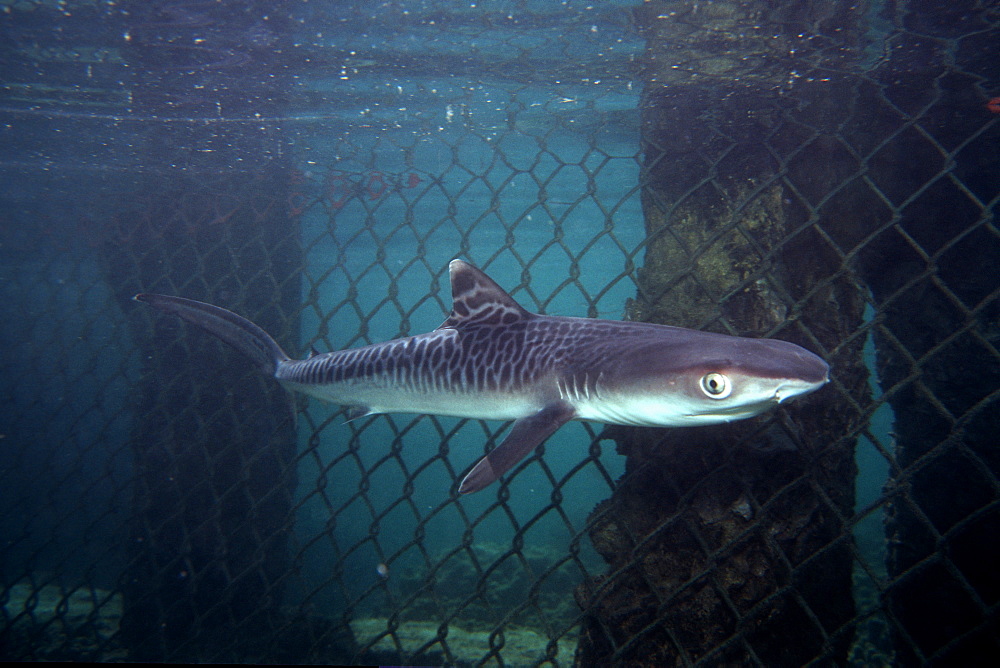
477	299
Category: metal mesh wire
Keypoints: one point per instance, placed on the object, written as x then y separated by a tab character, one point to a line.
817	172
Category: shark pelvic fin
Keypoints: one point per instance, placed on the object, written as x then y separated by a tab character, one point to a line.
355	412
526	435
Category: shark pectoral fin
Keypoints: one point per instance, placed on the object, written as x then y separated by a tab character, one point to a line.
526	435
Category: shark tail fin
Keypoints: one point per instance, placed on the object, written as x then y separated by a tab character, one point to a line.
237	331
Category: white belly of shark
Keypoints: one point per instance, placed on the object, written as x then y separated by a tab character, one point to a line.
492	359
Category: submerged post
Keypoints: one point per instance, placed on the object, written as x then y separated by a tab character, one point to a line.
213	443
727	543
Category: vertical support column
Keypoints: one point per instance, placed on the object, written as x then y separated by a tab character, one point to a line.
932	271
727	543
214	442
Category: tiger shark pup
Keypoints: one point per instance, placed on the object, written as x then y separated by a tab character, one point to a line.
493	360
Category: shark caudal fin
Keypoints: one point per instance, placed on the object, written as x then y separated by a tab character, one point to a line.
238	332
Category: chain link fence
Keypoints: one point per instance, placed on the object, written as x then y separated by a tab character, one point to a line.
818	172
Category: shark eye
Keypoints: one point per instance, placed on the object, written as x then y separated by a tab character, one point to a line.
716	385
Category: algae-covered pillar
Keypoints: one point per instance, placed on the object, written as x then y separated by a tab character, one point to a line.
932	269
213	443
728	544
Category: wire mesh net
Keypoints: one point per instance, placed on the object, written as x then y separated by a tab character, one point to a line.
821	173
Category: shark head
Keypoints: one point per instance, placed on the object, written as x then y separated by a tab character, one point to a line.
680	377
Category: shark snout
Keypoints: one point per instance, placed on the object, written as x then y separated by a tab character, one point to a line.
804	385
788	390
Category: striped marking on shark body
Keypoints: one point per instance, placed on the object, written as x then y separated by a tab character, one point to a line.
492	359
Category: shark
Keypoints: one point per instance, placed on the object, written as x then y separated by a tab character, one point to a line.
492	359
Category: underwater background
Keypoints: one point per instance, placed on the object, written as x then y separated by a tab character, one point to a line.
823	173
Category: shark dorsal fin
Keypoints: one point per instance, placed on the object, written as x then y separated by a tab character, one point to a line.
477	299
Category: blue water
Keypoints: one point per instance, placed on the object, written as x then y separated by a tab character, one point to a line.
66	367
512	174
532	178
